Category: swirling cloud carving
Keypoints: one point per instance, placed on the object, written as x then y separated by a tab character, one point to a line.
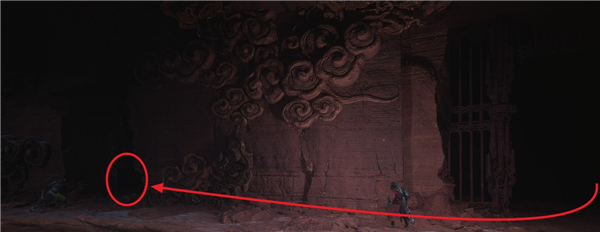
299	113
302	113
302	81
362	39
269	74
259	33
323	52
338	67
251	109
319	38
234	98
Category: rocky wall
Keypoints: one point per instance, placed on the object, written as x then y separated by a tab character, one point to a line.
369	144
424	49
45	123
347	162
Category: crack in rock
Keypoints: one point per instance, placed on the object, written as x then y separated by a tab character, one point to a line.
307	166
378	166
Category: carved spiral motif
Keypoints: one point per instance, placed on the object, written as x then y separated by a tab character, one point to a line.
12	151
263	52
290	43
171	175
302	113
37	152
299	113
323	36
362	39
253	87
198	55
234	98
207	30
259	33
186	67
209	10
301	81
188	16
226	74
251	110
333	9
169	63
245	51
318	59
231	31
207	78
194	164
231	28
19	175
235	170
327	108
270	73
339	67
263	15
146	71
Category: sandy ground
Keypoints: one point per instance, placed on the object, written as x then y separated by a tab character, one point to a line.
101	214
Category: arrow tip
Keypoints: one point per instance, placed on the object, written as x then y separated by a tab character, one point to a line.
158	187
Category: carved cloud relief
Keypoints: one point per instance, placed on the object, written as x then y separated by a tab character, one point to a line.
244	56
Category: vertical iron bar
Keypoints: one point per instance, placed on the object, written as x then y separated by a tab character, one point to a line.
460	169
481	90
471	163
459	78
449	49
470	74
471	115
449	153
481	165
481	79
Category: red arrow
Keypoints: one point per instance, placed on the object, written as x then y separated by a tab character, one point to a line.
160	187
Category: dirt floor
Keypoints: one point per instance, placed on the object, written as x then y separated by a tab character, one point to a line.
101	214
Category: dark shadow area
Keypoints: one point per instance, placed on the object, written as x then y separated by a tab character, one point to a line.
556	130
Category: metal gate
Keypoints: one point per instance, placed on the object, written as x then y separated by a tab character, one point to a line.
480	157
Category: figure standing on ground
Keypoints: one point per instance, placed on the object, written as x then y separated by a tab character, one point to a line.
397	201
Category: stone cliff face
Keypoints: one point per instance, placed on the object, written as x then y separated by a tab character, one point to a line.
348	162
344	157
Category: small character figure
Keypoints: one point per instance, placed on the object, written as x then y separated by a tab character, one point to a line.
398	203
54	191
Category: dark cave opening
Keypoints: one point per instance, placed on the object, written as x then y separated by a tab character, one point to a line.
96	129
555	130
